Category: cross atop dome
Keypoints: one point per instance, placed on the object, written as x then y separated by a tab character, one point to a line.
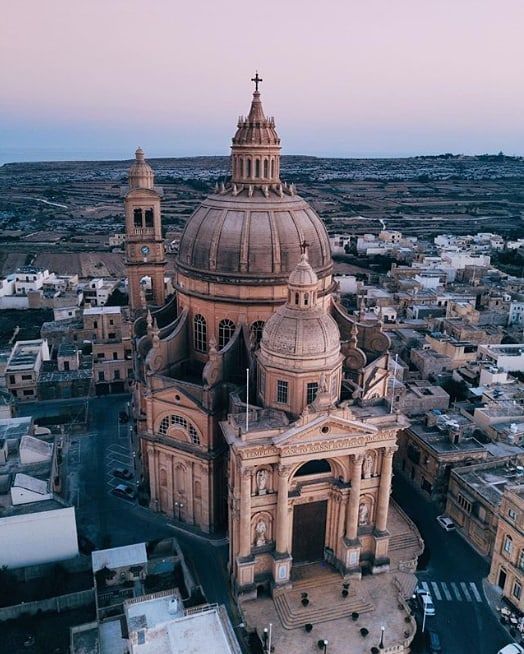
257	80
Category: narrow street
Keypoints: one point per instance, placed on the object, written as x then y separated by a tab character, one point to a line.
453	575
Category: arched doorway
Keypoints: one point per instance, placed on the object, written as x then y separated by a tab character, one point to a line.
310	518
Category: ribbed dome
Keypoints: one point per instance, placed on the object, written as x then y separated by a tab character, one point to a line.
141	174
296	334
232	236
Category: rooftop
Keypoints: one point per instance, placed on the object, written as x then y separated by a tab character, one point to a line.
119	557
490	479
96	311
440	441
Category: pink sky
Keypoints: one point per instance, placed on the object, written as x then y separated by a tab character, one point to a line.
341	77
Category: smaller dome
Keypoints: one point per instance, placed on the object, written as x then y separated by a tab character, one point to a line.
141	174
303	275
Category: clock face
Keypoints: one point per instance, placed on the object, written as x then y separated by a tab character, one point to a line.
145	250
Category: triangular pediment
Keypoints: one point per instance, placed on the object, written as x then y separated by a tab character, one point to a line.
167	390
324	428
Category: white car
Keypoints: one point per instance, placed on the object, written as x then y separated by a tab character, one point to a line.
512	648
426	601
446	523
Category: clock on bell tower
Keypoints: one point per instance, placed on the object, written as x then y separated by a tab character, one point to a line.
145	256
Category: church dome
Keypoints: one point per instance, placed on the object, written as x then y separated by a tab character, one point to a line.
141	174
250	230
253	237
301	332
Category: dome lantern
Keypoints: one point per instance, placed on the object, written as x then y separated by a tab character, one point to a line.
255	153
141	174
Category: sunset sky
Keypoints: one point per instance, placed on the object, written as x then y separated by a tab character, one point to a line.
93	79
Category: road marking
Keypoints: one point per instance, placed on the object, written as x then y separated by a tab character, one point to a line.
456	592
475	592
465	591
436	590
446	591
425	586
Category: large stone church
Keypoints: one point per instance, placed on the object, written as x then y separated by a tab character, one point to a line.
259	401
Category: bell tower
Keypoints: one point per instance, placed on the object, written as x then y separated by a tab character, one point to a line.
145	256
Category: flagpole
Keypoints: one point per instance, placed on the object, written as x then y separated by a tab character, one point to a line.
247	400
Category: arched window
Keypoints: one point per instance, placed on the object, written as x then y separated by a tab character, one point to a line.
256	332
315	467
266	168
175	422
163	478
272	168
200	333
297	298
257	167
226	329
508	544
306	299
248	173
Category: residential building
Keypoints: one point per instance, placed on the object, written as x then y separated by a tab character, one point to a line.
23	368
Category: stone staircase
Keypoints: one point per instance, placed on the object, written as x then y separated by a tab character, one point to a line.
326	603
403	541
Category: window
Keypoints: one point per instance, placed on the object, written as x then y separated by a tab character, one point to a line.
256	332
257	167
12	379
200	333
311	392
66	365
179	422
226	329
27	377
111	321
115	356
95	324
306	299
512	515
28	392
517	590
149	217
266	168
111	335
137	217
521	560
508	544
282	391
117	375
464	503
101	376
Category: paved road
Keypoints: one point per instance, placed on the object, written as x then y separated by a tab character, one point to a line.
454	576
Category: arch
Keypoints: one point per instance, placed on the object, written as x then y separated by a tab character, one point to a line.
226	329
297	298
248	171
314	467
180	478
306	299
266	168
272	167
256	330
173	423
200	333
257	167
163	477
369	502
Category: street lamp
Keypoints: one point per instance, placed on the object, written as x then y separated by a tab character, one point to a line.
267	638
381	645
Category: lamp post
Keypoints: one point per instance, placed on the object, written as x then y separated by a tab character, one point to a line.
326	643
382	629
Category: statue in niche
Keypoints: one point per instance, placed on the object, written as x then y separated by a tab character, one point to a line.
367	467
260	533
363	514
261	478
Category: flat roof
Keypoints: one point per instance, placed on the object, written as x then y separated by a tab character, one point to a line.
489	480
15	428
93	311
119	557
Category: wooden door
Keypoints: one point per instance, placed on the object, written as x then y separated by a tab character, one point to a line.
309	532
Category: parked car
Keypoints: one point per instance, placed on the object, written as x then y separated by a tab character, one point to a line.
123	417
512	648
446	523
123	490
426	601
123	473
433	642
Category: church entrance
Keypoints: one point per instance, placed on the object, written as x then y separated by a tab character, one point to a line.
309	532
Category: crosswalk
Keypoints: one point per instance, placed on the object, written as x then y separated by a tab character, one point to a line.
452	591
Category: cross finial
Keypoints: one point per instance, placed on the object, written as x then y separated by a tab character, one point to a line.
257	80
304	247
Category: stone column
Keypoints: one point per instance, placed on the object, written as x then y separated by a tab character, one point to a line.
245	514
282	510
354	498
384	489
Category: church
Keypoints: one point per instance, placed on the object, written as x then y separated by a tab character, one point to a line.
259	401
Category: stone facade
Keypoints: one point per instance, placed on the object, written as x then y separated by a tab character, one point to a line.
507	565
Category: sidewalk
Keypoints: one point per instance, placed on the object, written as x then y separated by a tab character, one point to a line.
495	602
